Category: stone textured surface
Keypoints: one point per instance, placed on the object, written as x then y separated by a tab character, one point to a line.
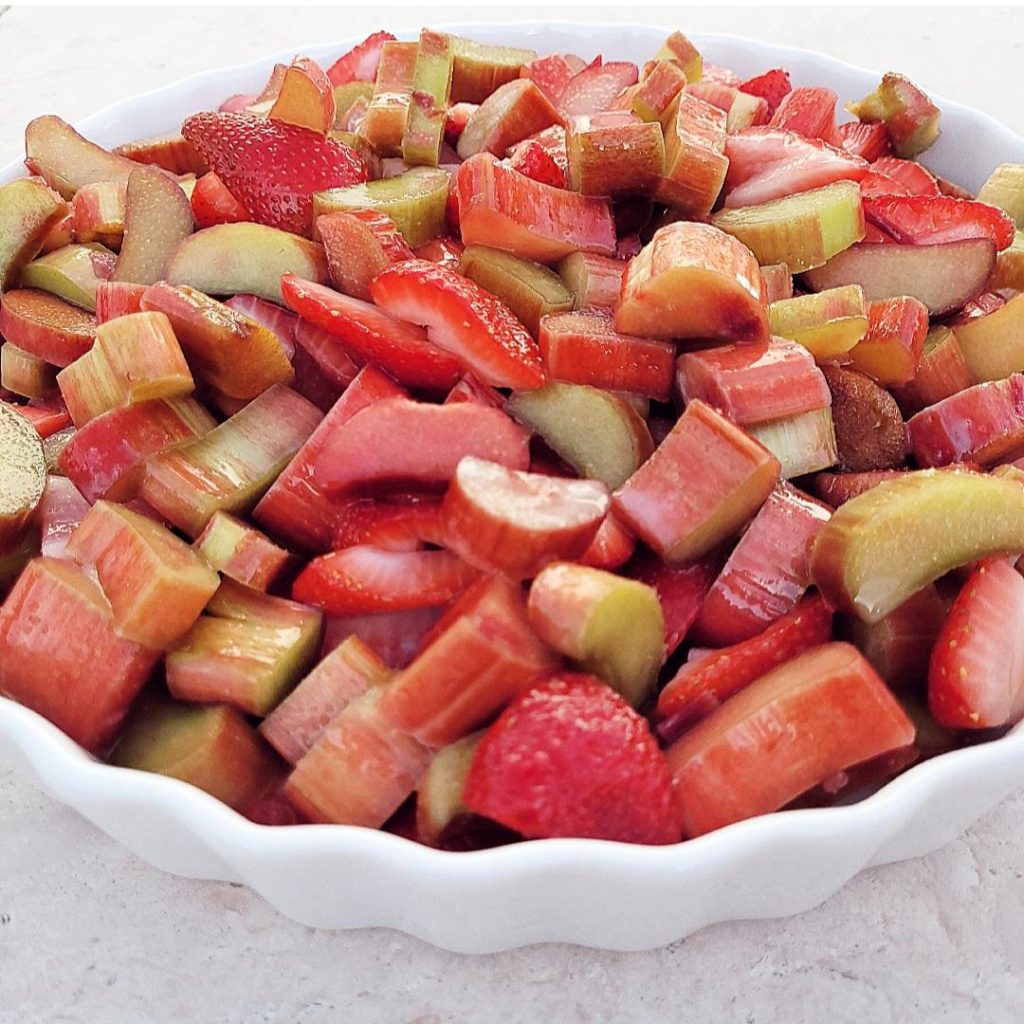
89	933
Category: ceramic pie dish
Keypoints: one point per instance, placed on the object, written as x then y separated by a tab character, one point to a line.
601	894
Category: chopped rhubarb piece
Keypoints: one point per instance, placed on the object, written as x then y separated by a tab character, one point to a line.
984	423
942	372
24	374
614	156
830	701
868	141
504	520
400	441
273	168
360	769
712	505
534	161
306	97
656	90
363	579
506	210
213	748
975	680
270	315
601	435
595	281
803	231
481	656
430	89
932	220
684	260
612	547
511	113
993	344
97	213
879	549
910	118
117	298
741	109
595	88
767	164
699	687
212	203
481	68
396	637
803	444
772	86
231	467
22	473
230	351
570	758
553	73
321	361
105	458
530	290
384	122
891	350
48	416
778	282
359	245
679	49
751	384
73	273
44	663
585	348
156	584
46	326
296	507
695	161
1004	188
170	152
439	796
828	324
341	678
360	63
60	510
248	650
810	112
67	161
241	552
29	213
766	574
463	319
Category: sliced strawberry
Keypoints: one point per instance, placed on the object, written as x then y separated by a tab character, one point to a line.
273	317
874	235
976	677
569	757
985	303
462	318
766	164
596	88
273	168
612	547
504	520
359	245
931	220
398	441
360	63
700	686
469	389
364	579
773	86
327	354
389	525
917	180
212	203
371	334
810	112
868	141
874	185
681	590
532	159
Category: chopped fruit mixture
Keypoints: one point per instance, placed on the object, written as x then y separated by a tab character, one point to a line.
428	441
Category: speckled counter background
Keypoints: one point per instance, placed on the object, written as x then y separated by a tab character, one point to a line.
89	933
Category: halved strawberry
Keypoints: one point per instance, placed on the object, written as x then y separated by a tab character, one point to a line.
360	63
532	159
917	180
869	141
766	164
931	220
700	686
212	203
569	757
810	112
773	87
364	579
273	168
596	87
462	318
397	442
976	676
402	349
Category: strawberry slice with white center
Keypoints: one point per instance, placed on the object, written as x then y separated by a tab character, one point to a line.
917	180
932	220
364	579
503	520
976	676
767	164
273	168
463	319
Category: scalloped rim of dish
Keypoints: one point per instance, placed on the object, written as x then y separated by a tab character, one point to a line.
32	745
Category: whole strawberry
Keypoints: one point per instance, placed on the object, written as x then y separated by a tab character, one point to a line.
273	168
569	757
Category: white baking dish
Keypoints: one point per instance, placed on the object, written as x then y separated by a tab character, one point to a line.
594	893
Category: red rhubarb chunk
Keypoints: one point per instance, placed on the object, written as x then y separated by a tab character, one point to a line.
45	326
868	141
596	88
810	112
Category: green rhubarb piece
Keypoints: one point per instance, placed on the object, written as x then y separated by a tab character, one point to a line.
803	444
241	552
22	473
72	273
29	211
345	96
388	111
25	374
416	201
659	88
439	796
431	86
1004	188
211	747
529	289
910	118
479	68
679	49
